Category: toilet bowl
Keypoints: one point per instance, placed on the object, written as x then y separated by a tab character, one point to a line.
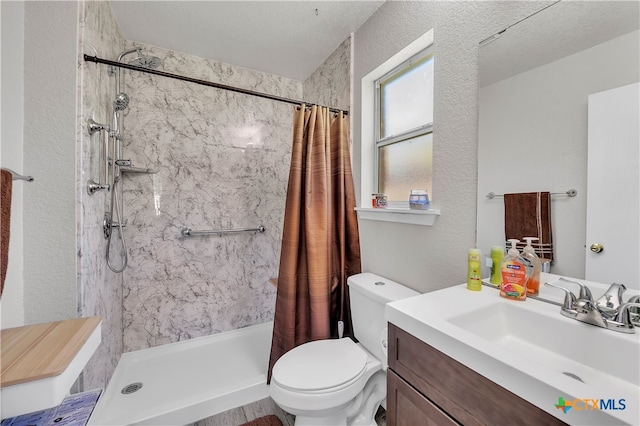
338	381
319	382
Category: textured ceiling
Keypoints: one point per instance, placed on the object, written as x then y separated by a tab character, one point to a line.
285	38
560	30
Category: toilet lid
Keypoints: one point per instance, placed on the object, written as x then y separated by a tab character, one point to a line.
319	365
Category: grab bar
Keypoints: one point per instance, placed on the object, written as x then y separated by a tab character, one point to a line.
188	232
103	183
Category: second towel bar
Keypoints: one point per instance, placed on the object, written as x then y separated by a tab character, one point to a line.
570	193
188	232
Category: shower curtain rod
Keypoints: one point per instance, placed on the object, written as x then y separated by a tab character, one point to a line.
95	59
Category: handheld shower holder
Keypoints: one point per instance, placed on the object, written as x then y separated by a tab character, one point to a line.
108	225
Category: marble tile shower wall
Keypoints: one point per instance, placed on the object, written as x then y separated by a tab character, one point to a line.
99	290
223	162
330	83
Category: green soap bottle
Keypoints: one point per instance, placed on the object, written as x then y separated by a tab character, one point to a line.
474	272
497	254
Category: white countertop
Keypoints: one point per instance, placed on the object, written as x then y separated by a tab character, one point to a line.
534	372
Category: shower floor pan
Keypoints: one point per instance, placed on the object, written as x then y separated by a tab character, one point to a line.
183	382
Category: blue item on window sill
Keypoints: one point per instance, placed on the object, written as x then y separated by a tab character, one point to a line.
419	199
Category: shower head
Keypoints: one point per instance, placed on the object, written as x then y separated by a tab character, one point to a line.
150	62
122	102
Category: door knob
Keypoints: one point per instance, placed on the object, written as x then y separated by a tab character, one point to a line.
596	247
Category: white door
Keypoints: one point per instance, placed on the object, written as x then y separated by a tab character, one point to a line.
613	187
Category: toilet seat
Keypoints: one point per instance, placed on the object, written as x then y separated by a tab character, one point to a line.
320	366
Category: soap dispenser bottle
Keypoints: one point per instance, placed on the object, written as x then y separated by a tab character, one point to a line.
497	255
515	274
474	273
533	261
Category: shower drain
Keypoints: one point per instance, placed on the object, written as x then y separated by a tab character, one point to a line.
131	388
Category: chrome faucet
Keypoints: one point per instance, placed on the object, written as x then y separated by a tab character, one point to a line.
611	300
608	311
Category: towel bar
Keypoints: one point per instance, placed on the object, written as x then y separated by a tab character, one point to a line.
569	193
18	176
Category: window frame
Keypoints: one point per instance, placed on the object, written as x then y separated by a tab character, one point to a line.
425	129
367	112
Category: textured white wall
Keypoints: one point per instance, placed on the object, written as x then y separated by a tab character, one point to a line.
50	156
533	133
428	258
12	15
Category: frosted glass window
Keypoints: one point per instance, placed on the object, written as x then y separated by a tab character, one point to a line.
404	166
406	97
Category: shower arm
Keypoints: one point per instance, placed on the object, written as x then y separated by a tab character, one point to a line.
122	55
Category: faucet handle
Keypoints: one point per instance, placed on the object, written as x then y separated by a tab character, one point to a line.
634	311
634	299
585	293
623	316
569	298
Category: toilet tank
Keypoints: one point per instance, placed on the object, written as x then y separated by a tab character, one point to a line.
368	294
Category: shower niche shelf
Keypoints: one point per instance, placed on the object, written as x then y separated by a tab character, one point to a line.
137	170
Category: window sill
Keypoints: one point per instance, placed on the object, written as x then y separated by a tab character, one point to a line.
399	215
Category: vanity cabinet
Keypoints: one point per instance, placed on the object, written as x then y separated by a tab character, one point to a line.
427	387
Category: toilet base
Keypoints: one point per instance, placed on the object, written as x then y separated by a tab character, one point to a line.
359	412
336	419
374	393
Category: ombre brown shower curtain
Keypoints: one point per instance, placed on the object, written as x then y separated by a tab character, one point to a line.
320	244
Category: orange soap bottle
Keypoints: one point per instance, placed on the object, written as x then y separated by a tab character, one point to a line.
533	261
515	274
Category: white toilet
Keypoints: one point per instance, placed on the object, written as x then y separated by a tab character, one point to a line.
337	381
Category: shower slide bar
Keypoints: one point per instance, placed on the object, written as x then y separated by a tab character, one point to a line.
569	193
95	59
188	232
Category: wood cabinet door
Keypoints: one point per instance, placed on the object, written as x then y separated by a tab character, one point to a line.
464	395
407	407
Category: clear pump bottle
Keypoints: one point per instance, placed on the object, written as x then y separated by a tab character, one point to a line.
530	256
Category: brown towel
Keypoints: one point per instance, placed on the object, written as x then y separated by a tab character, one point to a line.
6	182
529	215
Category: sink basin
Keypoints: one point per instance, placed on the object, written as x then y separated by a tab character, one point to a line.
532	350
581	349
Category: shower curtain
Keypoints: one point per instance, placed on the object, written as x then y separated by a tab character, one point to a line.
320	245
